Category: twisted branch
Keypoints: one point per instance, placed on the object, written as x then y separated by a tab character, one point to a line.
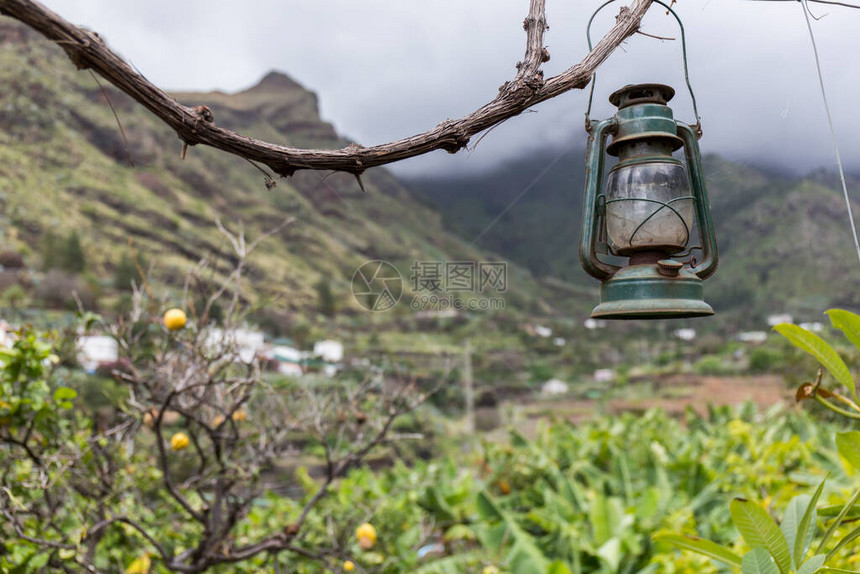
195	126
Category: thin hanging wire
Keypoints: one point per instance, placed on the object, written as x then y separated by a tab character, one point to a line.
832	130
683	50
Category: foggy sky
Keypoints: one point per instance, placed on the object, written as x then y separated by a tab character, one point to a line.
386	69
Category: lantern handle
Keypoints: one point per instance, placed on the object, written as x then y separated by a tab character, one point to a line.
708	265
594	160
698	127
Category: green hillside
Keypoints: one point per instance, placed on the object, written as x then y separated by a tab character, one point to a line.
785	243
64	167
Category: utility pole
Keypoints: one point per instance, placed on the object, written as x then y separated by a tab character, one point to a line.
469	389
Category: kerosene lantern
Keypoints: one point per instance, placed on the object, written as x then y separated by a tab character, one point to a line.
646	209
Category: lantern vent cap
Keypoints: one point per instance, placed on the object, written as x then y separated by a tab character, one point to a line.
633	94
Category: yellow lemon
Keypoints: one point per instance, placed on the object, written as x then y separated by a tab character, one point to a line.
240	415
140	565
349	566
490	570
366	535
217	420
174	319
179	441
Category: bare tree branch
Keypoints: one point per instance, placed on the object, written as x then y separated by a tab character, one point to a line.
96	528
194	125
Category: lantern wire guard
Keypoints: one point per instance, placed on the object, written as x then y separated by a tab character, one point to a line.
683	51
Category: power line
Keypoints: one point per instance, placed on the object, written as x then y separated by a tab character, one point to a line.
832	130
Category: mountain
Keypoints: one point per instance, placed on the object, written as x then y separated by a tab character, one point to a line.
785	243
65	167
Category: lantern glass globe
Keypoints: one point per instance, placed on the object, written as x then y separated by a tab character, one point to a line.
649	207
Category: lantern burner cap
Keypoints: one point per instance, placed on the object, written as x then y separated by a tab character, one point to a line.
633	94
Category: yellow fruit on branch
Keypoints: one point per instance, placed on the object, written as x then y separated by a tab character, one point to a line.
175	319
349	566
490	570
179	441
140	565
240	415
217	420
366	535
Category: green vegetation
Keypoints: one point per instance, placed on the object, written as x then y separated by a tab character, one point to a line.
178	458
573	499
783	549
59	142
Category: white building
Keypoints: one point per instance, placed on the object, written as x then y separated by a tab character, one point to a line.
752	337
95	350
685	334
293	362
7	337
290	359
329	351
542	331
774	320
554	387
247	344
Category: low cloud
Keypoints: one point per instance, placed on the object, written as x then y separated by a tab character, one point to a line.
386	70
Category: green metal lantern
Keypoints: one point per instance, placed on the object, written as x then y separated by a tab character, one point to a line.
647	209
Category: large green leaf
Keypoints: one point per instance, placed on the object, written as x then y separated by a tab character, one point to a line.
846	540
821	350
848	323
848	443
812	565
610	553
831	510
524	555
606	516
435	503
702	546
790	525
803	536
758	561
838	571
558	567
487	509
842	515
760	531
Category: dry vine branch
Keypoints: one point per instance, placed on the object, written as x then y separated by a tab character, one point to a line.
88	51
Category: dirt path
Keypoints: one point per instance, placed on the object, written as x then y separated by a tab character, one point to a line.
699	391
